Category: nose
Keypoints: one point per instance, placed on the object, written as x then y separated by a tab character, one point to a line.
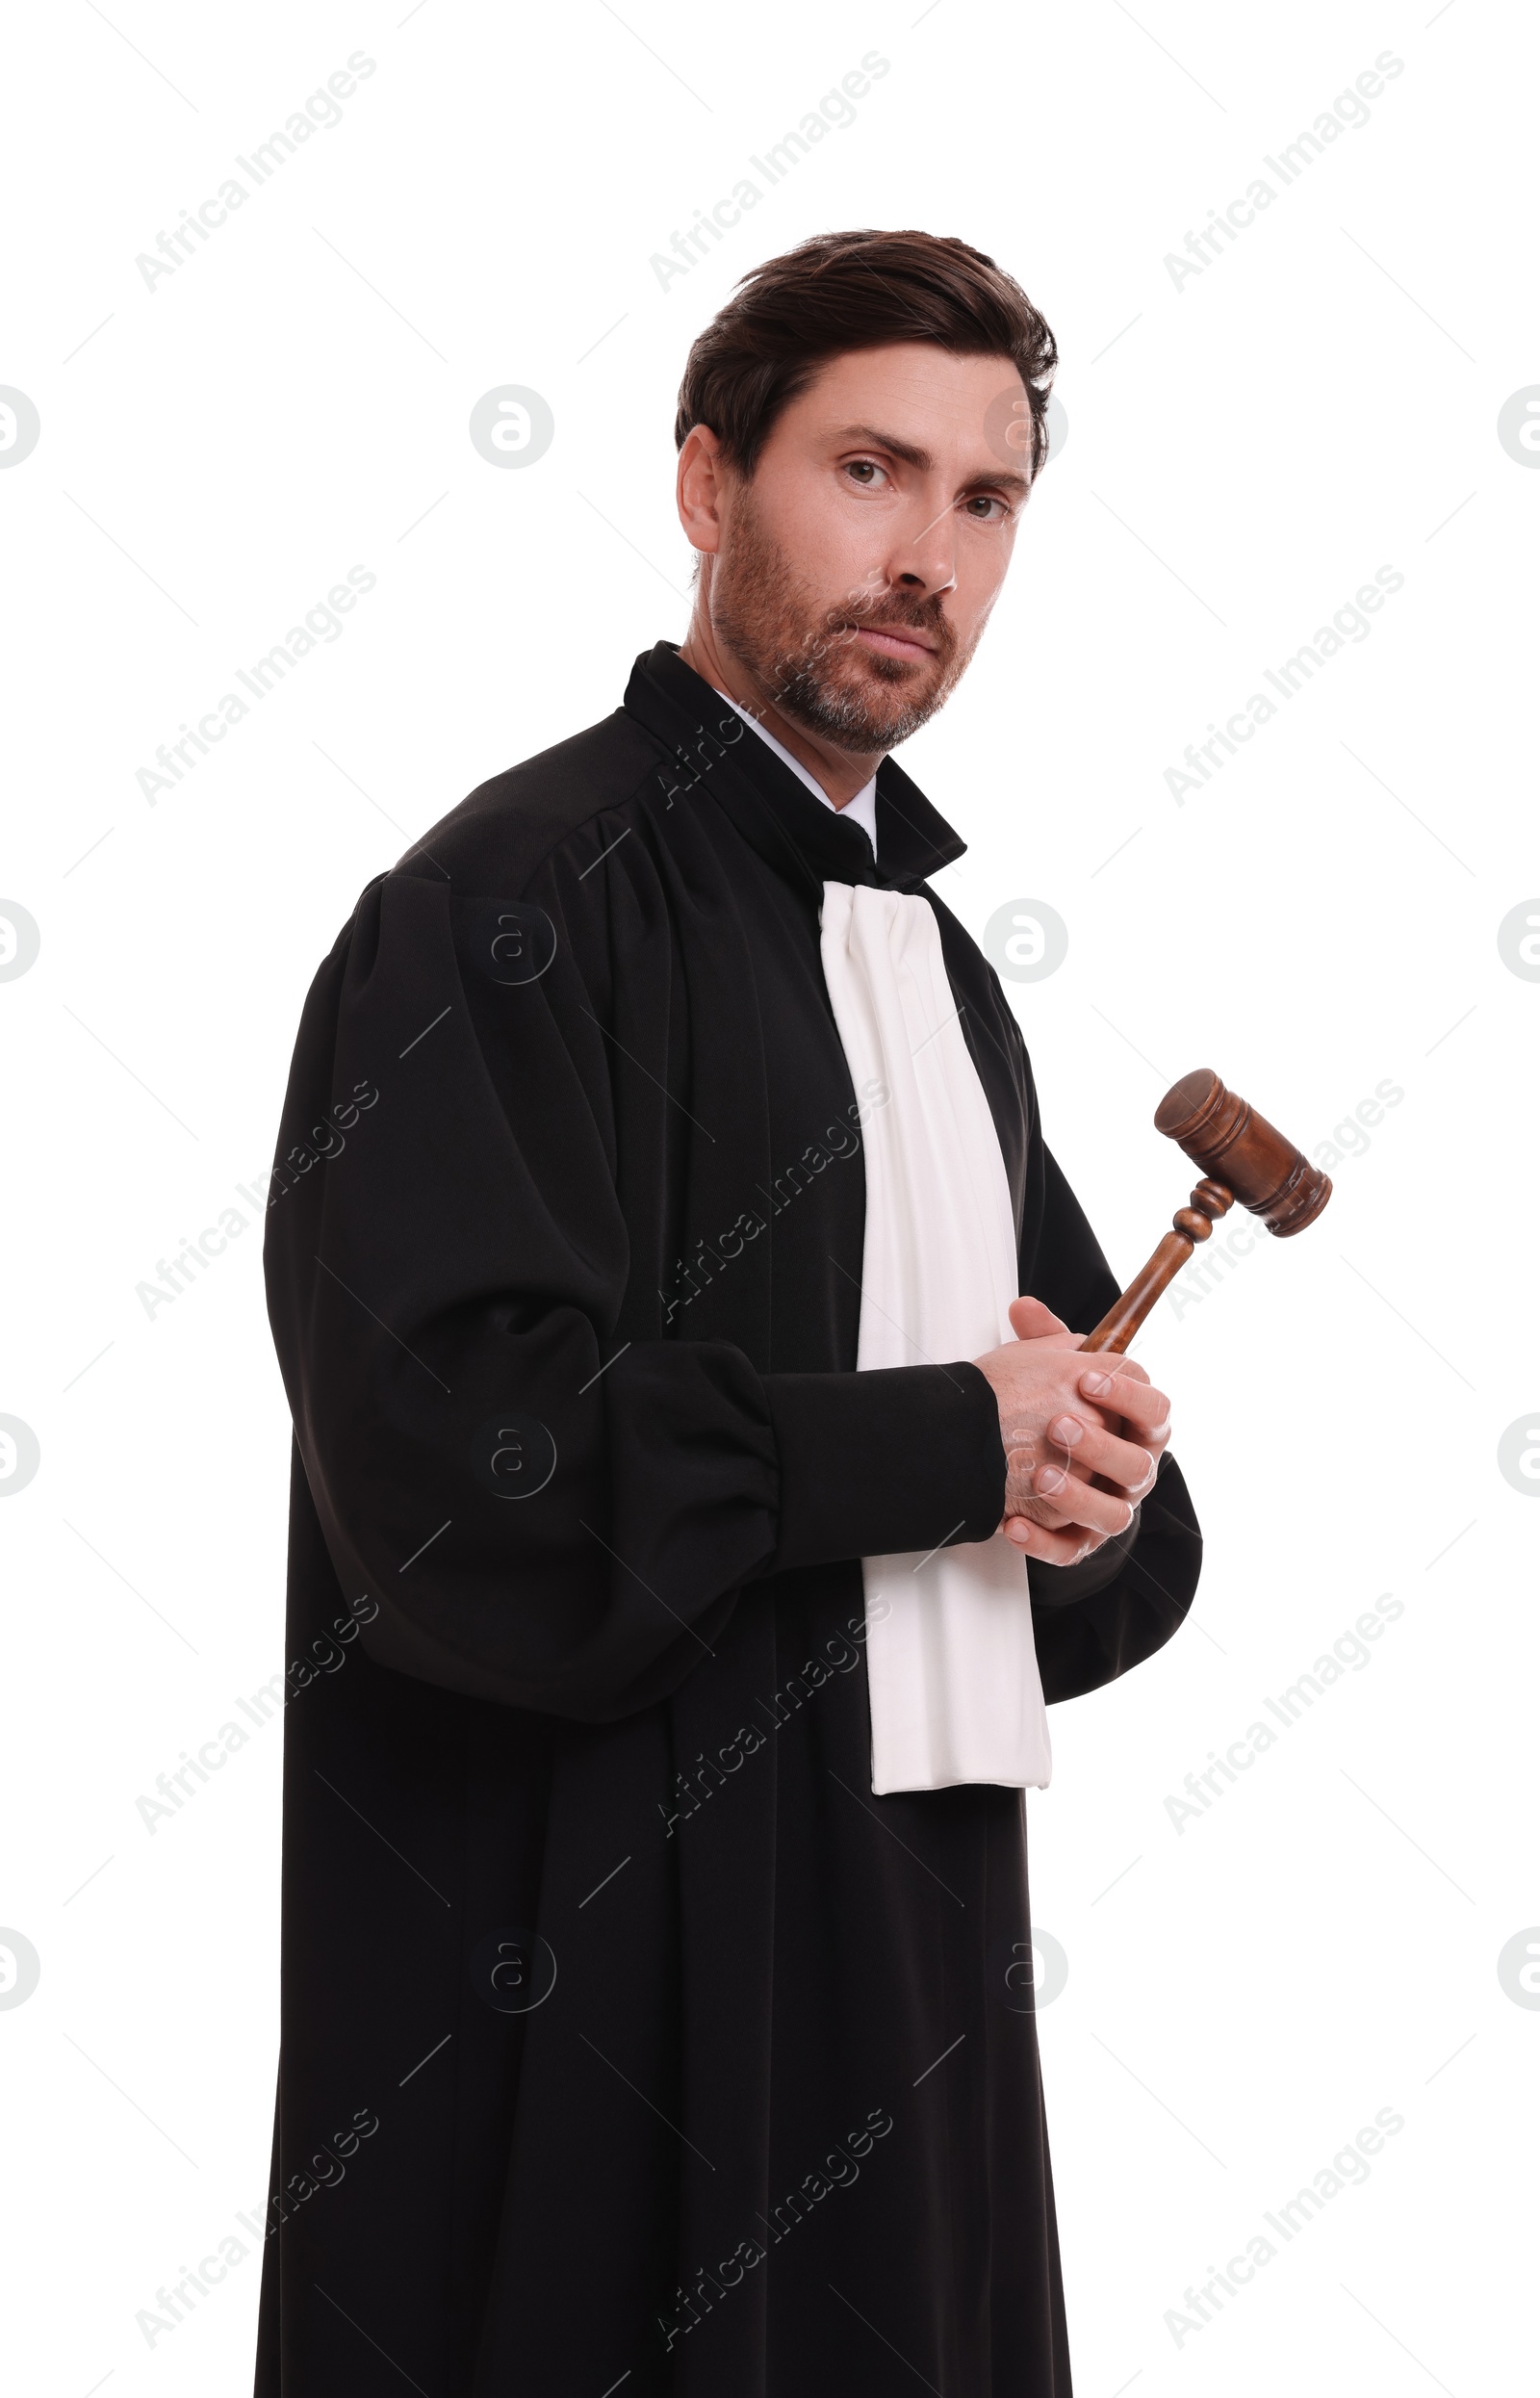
924	556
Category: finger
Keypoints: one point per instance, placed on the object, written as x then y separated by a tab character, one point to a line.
1032	1321
1063	1509
1089	1449
1021	1493
1050	1547
1050	1515
1118	1364
1099	1510
1118	1394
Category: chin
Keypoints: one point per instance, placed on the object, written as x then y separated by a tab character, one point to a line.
862	719
881	668
893	693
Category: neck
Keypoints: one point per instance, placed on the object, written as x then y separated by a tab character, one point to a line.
839	773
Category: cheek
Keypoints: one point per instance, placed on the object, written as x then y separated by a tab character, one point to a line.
852	560
981	572
831	535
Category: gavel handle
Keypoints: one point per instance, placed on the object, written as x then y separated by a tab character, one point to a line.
1188	1226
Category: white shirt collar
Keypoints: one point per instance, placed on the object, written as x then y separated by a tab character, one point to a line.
862	809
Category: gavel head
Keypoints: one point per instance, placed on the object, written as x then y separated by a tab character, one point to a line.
1226	1136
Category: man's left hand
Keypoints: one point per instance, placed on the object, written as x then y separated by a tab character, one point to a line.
1119	1397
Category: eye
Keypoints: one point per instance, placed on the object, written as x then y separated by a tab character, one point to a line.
986	500
864	471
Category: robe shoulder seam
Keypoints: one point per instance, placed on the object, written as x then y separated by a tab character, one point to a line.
602	808
561	806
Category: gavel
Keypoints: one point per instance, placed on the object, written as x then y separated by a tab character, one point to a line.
1243	1157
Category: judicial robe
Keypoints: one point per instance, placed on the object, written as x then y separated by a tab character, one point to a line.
628	2041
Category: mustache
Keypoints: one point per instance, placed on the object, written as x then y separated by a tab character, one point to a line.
925	616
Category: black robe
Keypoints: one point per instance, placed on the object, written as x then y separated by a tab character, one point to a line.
629	2042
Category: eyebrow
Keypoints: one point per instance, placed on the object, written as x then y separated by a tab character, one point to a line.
870	438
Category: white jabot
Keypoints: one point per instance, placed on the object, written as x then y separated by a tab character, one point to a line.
955	1696
862	808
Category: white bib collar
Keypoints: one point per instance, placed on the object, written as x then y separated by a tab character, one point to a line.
952	1665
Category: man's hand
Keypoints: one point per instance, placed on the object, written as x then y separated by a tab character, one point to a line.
1082	1439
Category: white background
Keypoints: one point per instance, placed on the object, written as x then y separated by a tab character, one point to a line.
1242	452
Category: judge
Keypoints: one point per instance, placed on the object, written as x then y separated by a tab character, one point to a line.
698	1496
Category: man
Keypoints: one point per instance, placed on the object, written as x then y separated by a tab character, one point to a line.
658	1175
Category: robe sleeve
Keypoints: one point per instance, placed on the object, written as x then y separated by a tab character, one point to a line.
547	1515
1134	1591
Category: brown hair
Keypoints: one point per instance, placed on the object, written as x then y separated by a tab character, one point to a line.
839	292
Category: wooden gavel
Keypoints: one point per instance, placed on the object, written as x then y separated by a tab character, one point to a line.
1227	1137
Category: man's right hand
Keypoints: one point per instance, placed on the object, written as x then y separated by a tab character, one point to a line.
1057	1411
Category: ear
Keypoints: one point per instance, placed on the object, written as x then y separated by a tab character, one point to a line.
699	489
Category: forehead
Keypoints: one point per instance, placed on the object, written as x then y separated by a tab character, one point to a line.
958	409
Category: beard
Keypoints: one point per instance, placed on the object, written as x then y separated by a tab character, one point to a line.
803	654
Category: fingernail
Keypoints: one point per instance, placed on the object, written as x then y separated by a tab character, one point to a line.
1067	1429
1050	1480
1094	1383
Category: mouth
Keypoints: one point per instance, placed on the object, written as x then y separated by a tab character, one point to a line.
889	643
